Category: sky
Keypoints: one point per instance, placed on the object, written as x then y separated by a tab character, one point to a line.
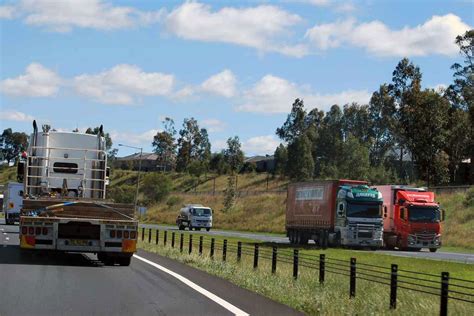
235	66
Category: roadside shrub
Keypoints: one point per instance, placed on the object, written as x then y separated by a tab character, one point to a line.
469	199
122	194
156	187
174	200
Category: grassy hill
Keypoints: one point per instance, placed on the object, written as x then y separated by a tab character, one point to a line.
264	212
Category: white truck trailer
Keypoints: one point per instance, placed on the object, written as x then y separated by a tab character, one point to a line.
12	202
64	206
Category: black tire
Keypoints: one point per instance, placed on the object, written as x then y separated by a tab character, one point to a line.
433	249
208	229
415	249
181	227
303	238
124	261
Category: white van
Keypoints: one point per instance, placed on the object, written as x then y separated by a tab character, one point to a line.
12	202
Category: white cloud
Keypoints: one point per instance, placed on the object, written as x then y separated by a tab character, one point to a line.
222	84
260	27
134	138
346	7
318	3
7	12
62	16
260	145
11	115
38	81
435	36
213	125
122	84
276	95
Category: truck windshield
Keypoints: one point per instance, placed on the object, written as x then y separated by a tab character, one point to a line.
363	209
423	214
201	212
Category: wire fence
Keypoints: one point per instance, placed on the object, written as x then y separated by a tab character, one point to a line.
440	285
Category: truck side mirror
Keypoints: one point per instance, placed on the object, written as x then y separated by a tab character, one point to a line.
107	172
384	211
340	210
443	215
20	171
403	213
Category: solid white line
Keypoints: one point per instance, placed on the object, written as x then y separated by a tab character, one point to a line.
231	308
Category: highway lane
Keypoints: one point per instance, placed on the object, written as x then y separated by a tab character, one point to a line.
79	284
425	254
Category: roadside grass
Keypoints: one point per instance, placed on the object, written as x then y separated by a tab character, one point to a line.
306	293
7	174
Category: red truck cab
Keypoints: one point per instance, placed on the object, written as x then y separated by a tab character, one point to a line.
412	218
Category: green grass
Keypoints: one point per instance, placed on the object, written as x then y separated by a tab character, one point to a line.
306	294
7	174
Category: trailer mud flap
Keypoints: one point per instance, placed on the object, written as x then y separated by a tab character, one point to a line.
27	242
129	245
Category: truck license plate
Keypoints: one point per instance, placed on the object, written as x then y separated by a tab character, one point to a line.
78	242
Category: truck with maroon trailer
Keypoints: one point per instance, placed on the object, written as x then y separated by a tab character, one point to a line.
335	213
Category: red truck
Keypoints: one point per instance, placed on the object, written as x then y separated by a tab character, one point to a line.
412	218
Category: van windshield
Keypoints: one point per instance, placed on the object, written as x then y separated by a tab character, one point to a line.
201	211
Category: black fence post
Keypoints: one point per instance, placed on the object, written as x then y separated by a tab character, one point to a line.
393	286
212	247
165	237
149	235
157	237
295	264
444	293
172	239
224	250
143	233
239	251
190	243
322	267
181	242
255	257
274	259
200	245
352	290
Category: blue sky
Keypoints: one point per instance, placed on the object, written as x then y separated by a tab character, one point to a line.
235	67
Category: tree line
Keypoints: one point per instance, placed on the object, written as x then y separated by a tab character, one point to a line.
405	133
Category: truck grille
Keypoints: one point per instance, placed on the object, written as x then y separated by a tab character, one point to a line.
79	230
364	234
425	237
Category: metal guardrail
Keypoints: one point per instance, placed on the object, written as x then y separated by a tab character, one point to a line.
443	286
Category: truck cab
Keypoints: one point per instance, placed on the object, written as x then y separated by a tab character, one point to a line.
412	219
195	216
359	216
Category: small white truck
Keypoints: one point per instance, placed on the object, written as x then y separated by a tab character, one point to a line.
194	216
12	202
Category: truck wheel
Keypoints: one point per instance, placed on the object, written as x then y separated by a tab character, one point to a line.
433	249
198	228
181	227
208	229
124	261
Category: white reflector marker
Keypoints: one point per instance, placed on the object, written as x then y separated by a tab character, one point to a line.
231	308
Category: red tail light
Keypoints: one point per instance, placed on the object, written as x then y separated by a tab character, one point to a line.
119	234
38	231
24	230
31	230
126	234
45	230
112	234
133	234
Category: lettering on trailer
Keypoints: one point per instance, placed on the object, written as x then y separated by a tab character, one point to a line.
418	195
308	194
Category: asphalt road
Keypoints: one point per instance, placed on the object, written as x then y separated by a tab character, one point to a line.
425	254
78	284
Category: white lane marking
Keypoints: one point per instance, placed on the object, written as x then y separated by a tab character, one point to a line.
231	308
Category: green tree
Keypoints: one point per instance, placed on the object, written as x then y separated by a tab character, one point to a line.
193	144
295	124
230	194
329	143
156	187
355	121
234	156
11	144
164	145
354	159
281	159
301	164
218	163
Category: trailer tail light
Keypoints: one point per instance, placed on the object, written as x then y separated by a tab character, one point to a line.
112	234
38	231
24	230
133	234
119	234
126	234
45	230
31	230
